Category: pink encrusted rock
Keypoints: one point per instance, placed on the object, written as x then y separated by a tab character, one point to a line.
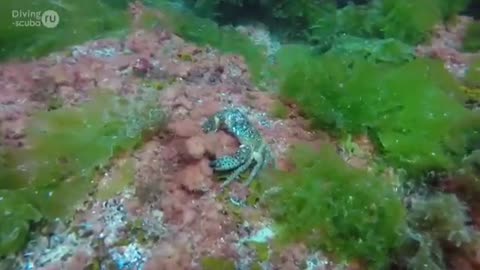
178	69
208	108
261	101
220	143
53	266
174	203
144	43
185	128
171	255
121	62
60	74
193	177
169	95
183	101
195	147
188	49
211	224
142	66
291	258
112	82
79	261
205	168
134	207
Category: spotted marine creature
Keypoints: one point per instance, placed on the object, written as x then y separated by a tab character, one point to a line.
253	147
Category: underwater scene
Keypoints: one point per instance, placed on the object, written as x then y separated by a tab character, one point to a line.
239	135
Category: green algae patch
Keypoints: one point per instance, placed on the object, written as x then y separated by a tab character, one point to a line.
451	8
122	176
78	22
214	263
16	213
413	111
332	206
471	42
322	22
472	76
410	21
279	110
376	50
66	149
69	145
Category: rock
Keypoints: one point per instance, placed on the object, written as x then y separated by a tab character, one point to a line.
220	143
208	108
195	147
185	128
193	177
59	75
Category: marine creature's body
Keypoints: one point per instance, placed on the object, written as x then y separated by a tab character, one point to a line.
252	145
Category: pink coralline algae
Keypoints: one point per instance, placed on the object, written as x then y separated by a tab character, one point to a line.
142	66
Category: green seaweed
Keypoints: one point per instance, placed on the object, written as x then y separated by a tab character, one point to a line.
450	8
279	110
214	263
262	251
70	144
16	213
333	23
375	50
410	21
122	176
292	14
472	76
413	111
79	22
186	57
471	41
67	146
328	204
257	266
